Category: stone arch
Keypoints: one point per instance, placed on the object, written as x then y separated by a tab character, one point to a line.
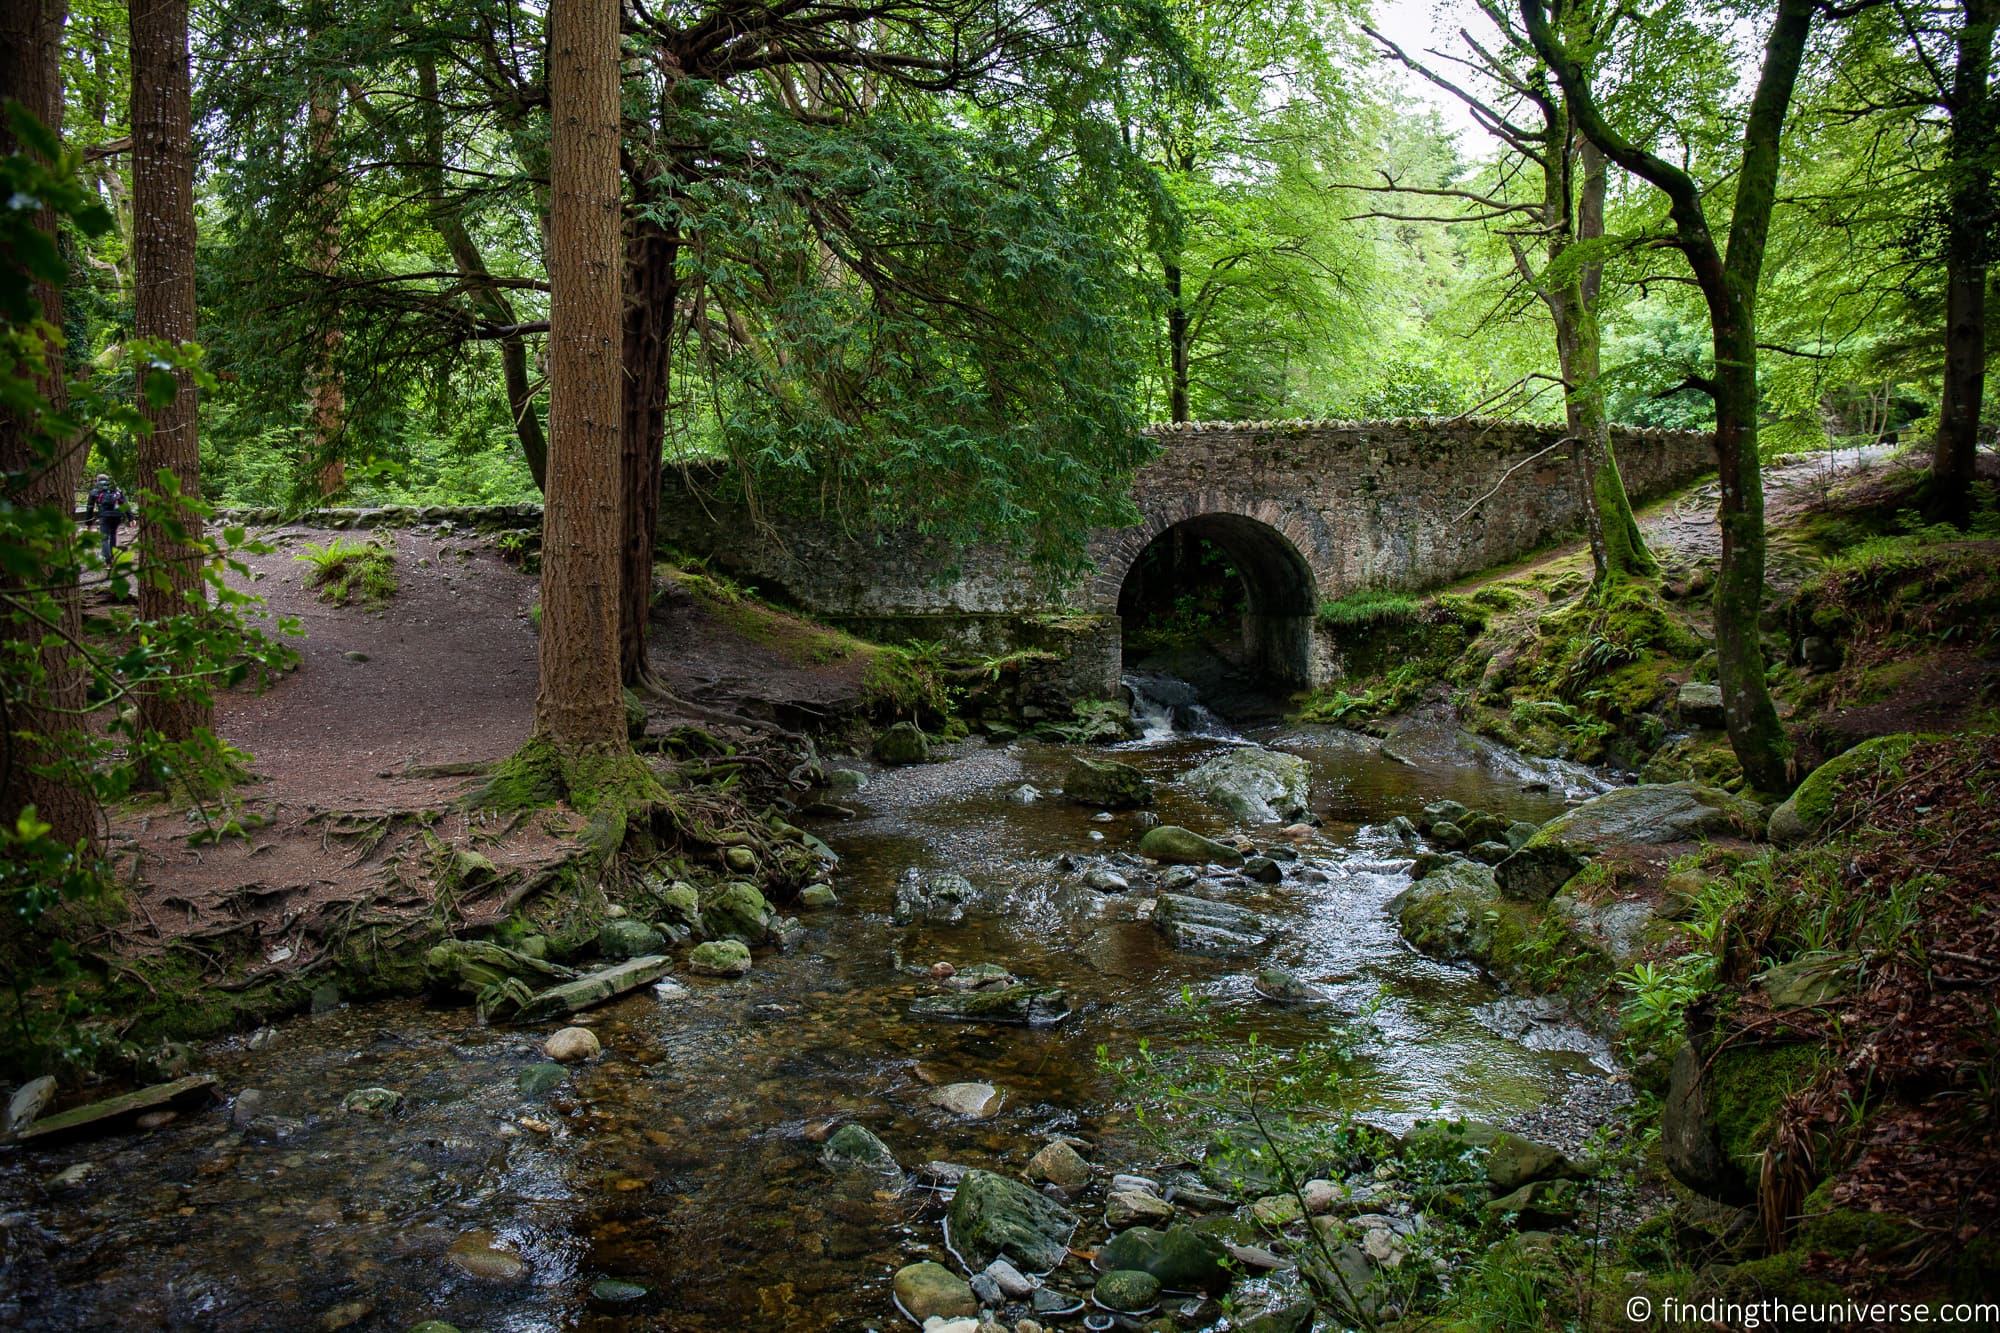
1282	551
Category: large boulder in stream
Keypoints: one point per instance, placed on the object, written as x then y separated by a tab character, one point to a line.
993	1217
904	743
736	911
1646	815
932	899
1105	784
1810	808
1196	925
1255	785
1184	847
1025	1006
1451	912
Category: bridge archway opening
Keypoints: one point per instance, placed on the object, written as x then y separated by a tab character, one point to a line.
1225	602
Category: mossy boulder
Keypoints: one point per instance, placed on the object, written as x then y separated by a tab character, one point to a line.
904	743
1025	1006
1255	785
1105	784
627	937
856	1148
1721	1110
928	1290
1127	1290
1448	913
720	958
1182	1257
736	911
1810	808
1179	846
1647	815
994	1217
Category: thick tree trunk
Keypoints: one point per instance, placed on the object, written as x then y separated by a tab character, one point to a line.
651	257
329	394
169	473
448	217
1968	243
31	35
578	707
1177	347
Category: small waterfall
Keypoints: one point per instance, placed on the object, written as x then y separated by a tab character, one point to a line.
1165	706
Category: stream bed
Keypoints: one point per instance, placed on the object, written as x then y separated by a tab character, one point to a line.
686	1163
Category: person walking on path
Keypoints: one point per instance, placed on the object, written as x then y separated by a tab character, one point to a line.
106	509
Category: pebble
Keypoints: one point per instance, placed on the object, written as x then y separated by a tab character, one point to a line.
475	1255
1013	1284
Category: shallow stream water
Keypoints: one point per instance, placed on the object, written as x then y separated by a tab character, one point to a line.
686	1160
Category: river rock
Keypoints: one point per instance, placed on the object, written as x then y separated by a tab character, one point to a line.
628	938
1450	913
993	1217
1436	812
1489	853
719	958
1197	925
1182	1258
976	976
1127	1291
1031	1006
476	1255
1699	704
1105	784
903	743
1427	862
1513	1161
468	967
1519	832
736	911
1293	1317
29	1100
1263	869
372	1101
1646	815
975	1101
1104	879
616	1291
1179	846
928	1290
1255	785
567	1046
936	899
1013	1284
854	1147
1448	835
818	896
1060	1165
540	1079
1280	986
1540	1205
1136	1208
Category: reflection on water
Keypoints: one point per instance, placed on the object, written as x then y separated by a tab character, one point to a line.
686	1160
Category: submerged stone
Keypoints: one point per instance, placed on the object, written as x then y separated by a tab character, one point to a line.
928	1290
1179	846
993	1217
1106	784
1032	1006
856	1148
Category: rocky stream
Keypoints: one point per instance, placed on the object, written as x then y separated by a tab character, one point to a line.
827	1142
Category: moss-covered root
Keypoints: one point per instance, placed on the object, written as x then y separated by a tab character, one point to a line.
611	787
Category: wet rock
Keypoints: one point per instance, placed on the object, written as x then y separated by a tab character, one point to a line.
567	1046
1441	812
469	967
1296	1317
1519	832
616	1291
1426	862
975	1101
628	938
1182	1258
1025	794
1136	1208
840	781
273	1128
476	1255
855	1148
325	998
903	743
1178	846
29	1100
719	958
1013	1284
372	1101
1060	1165
817	896
156	1119
1699	705
1106	880
119	1112
1197	925
1448	835
1646	815
736	911
1263	870
976	976
1127	1291
1280	986
1105	784
928	1290
935	899
1175	879
1052	1303
1032	1006
947	1174
540	1079
1255	785
986	1291
1451	912
1403	829
249	1104
1489	853
993	1217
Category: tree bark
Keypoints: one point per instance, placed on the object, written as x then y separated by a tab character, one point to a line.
1968	253
31	37
169	472
329	394
1728	282
578	707
651	258
1177	347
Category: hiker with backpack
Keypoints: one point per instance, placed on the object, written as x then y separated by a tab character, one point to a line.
106	509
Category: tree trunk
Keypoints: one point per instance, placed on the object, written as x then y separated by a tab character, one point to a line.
1968	242
31	37
1177	347
448	217
1618	546
578	707
651	259
329	395
169	472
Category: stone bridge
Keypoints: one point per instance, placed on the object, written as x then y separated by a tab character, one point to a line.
1307	511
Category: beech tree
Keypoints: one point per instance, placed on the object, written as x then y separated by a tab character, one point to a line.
1727	274
169	465
1970	217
